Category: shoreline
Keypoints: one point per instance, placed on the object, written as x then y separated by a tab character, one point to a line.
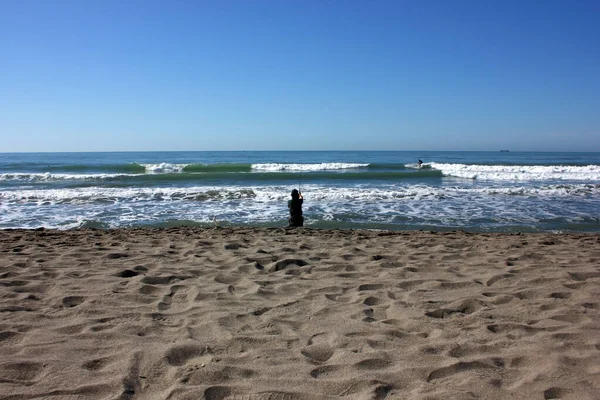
303	313
305	229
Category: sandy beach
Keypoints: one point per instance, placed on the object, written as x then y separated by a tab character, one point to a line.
249	313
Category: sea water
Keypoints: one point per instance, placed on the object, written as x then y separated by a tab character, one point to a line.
474	191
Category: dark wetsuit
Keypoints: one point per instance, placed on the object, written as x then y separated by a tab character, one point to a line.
295	206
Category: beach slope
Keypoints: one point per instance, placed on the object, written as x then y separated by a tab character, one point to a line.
189	313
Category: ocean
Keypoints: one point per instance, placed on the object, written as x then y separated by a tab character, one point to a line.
472	191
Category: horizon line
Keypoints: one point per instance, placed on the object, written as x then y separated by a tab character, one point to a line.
265	151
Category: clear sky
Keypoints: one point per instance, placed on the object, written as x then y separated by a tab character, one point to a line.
89	75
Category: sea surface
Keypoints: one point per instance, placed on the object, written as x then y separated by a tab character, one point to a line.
473	191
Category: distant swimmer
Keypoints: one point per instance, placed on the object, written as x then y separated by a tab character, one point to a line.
420	163
295	207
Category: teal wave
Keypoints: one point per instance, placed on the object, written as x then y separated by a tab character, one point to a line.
219	177
130	168
385	166
279	176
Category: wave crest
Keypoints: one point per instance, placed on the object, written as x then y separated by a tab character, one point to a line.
520	172
306	167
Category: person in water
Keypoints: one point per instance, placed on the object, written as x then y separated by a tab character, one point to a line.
295	207
420	163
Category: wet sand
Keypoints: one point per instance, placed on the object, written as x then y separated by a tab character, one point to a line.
189	313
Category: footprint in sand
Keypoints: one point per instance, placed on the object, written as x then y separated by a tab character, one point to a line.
514	329
209	373
177	296
14	283
229	393
318	353
72	301
372	301
370	286
583	276
555	393
10	338
233	246
496	278
149	290
372	364
325	371
321	347
468	306
560	295
382	391
114	256
128	273
283	264
165	320
227	279
179	355
337	297
164	280
95	364
25	372
464	366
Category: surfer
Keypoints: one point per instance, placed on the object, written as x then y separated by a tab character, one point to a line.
420	163
295	207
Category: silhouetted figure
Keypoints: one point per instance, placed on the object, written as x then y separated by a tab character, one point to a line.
295	207
420	163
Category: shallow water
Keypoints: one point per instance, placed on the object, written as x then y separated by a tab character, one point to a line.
476	191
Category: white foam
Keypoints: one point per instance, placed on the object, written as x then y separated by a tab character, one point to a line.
98	194
417	166
400	205
281	193
306	167
47	176
164	168
520	172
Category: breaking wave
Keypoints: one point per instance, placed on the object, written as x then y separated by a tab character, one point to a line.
520	172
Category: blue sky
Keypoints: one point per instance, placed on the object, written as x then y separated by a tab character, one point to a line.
299	75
